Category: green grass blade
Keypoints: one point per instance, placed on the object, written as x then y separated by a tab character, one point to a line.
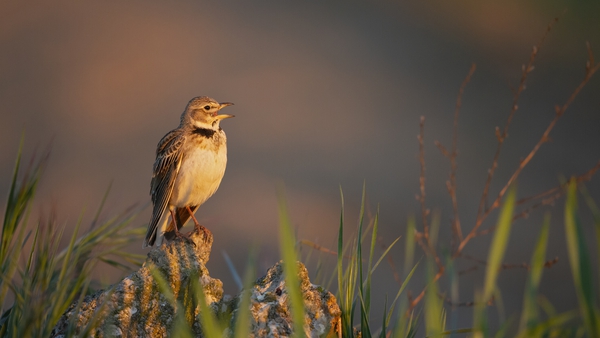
101	206
411	328
499	243
529	314
457	331
32	251
95	320
365	328
210	325
596	215
242	321
544	328
402	287
370	266
346	277
433	304
480	324
409	244
364	314
287	247
340	244
383	255
580	262
181	328
67	266
8	226
385	322
403	326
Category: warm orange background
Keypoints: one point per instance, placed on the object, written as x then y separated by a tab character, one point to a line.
325	95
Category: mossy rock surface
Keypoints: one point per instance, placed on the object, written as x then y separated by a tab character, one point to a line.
138	306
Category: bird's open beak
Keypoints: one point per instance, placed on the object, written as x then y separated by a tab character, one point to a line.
224	116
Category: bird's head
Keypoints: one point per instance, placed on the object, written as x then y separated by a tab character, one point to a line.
203	112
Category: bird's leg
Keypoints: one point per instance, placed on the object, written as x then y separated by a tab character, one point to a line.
196	224
176	232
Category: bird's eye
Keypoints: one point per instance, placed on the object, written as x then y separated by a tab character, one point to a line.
207	107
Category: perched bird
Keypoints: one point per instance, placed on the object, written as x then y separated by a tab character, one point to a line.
190	163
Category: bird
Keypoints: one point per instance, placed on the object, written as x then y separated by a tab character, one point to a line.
189	166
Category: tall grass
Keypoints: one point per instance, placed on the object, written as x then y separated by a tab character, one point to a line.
40	278
354	282
287	245
581	267
537	317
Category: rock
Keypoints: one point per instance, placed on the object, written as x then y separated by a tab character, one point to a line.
270	307
145	305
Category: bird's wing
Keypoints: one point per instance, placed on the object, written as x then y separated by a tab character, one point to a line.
166	168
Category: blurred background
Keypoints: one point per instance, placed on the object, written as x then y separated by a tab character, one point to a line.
326	95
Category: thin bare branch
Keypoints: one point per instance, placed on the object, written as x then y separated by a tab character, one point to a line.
590	62
501	136
508	266
590	69
547	197
442	149
463	304
452	185
560	110
424	210
468	270
546	201
318	247
416	300
545	137
322	248
561	187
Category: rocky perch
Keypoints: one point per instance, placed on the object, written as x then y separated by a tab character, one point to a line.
159	298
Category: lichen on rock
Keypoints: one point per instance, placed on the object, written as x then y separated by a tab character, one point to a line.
151	301
270	307
136	307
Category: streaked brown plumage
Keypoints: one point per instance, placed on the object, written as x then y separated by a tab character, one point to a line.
190	163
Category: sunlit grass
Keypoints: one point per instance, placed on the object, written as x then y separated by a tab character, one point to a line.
42	278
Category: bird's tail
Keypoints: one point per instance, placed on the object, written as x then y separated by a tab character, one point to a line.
156	231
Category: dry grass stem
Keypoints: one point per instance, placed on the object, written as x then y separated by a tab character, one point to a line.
560	188
424	210
416	300
559	111
468	270
462	304
451	184
545	137
547	197
507	266
322	248
501	136
483	212
318	247
421	197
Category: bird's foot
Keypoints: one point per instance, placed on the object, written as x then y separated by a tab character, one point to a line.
201	230
183	237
